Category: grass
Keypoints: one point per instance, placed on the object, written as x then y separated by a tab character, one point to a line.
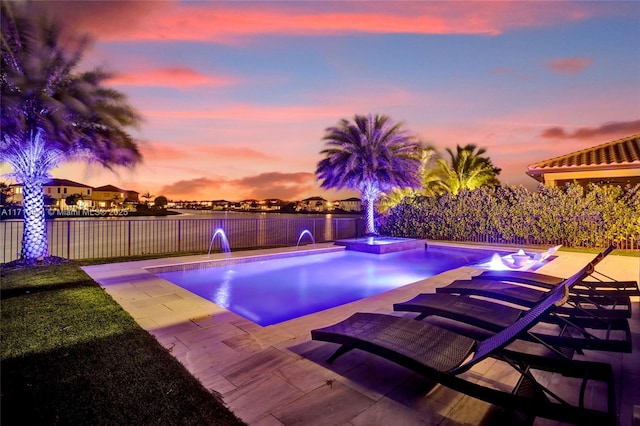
71	355
617	252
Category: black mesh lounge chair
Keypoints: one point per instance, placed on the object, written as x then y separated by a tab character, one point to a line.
567	327
596	284
586	286
580	303
556	331
444	356
577	305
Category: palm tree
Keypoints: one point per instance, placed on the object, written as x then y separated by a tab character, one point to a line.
429	175
5	193
369	155
468	170
147	196
51	114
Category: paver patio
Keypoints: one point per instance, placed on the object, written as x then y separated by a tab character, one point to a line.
277	375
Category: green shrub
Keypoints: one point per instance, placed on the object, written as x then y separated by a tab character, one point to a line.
573	216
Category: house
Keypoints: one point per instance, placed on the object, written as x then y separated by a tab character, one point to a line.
108	196
615	163
350	205
58	190
273	204
220	205
314	204
250	204
131	197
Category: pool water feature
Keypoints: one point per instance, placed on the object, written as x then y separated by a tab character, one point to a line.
302	234
382	245
224	242
271	291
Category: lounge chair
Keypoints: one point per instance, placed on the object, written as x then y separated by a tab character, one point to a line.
587	287
598	284
581	303
577	327
444	356
578	305
557	331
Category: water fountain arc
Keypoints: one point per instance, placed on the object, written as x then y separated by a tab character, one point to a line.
302	234
224	242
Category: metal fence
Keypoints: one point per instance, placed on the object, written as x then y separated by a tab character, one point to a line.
624	244
105	238
98	238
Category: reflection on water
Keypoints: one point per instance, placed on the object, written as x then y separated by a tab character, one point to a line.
222	295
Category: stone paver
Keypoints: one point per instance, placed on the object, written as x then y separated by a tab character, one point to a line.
276	375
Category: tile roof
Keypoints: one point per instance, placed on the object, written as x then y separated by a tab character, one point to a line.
64	182
108	188
623	153
59	182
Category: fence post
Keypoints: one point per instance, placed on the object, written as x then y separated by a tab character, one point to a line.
257	230
129	238
179	234
68	239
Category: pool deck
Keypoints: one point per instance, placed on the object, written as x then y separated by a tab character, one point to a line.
277	375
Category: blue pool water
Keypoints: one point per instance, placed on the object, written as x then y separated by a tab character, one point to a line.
271	291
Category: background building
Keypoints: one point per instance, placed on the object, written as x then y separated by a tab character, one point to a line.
57	191
614	163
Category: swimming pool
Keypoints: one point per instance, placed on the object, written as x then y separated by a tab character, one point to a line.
271	291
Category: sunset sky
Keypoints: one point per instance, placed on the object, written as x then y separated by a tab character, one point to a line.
236	96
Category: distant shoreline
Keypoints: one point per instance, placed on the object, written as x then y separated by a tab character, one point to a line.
7	213
17	213
337	211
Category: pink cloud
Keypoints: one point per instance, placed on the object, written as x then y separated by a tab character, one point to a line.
574	65
287	186
169	152
256	112
238	153
231	22
177	77
611	129
275	178
159	151
327	108
193	189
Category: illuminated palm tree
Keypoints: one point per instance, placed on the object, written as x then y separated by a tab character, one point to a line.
429	175
370	155
468	170
50	114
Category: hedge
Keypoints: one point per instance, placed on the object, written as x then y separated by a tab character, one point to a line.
571	215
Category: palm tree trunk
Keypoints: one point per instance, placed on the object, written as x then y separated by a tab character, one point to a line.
371	224
34	235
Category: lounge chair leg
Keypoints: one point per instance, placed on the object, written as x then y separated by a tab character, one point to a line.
341	351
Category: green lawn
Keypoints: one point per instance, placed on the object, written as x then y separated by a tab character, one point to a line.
72	355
